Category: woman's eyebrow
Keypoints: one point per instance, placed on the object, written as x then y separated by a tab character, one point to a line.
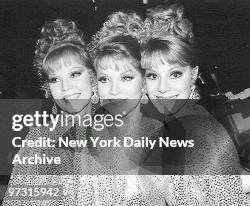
79	67
175	67
151	70
128	70
102	74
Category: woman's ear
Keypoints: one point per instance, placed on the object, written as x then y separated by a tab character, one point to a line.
194	73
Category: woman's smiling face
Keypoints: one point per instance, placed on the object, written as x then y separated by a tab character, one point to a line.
119	85
169	81
70	85
121	82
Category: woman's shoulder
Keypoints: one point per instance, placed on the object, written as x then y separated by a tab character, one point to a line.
35	132
196	118
51	129
202	126
217	152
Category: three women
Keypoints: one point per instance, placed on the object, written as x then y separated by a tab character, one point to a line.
167	60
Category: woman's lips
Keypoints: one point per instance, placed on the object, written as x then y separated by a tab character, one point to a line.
116	101
72	96
167	97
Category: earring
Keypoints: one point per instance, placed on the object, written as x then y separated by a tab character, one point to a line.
46	94
201	79
101	101
194	93
94	98
54	108
46	90
144	99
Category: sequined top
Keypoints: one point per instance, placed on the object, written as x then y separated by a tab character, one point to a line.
87	182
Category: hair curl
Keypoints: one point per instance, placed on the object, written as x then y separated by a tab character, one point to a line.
168	21
117	24
167	37
54	35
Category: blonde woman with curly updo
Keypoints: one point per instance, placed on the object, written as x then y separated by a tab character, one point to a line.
168	57
67	78
115	50
116	56
64	67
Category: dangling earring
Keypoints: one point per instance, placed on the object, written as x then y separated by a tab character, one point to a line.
46	94
194	93
94	98
144	99
46	90
201	79
54	108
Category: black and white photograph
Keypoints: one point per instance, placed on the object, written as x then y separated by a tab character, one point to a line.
125	102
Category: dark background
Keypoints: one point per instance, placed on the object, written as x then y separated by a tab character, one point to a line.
222	31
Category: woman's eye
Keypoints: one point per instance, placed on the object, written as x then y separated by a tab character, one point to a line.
53	80
103	79
127	78
76	74
175	75
151	76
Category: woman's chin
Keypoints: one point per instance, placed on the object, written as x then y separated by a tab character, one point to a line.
121	107
74	106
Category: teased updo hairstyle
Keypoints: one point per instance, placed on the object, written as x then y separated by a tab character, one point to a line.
60	41
118	40
167	37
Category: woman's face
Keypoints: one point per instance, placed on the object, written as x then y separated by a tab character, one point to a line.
70	86
170	81
120	84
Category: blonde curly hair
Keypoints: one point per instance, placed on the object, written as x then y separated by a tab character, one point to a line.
58	35
167	36
120	35
167	21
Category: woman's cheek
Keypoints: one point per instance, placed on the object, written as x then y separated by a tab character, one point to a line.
137	90
151	87
55	92
184	90
102	90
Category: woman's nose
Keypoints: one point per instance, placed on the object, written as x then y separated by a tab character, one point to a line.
114	88
163	86
66	84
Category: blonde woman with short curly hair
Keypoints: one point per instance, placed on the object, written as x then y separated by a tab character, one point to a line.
67	78
171	71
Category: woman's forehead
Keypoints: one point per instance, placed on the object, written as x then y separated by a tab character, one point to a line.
159	59
121	64
64	61
167	66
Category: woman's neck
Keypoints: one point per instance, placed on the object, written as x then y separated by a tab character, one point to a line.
86	110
